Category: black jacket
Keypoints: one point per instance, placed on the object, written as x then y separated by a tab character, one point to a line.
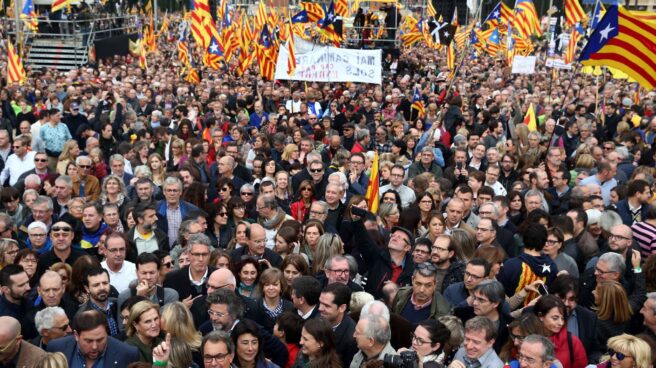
271	256
467	313
344	341
179	280
380	263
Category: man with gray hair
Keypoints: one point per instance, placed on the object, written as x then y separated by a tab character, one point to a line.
372	336
117	164
52	323
425	164
423	299
648	312
536	351
477	351
173	209
84	184
271	217
191	281
337	270
218	350
63	193
613	266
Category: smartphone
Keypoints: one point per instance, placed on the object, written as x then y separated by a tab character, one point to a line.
358	211
542	289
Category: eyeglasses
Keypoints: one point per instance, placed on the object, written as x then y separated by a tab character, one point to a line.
529	360
220	358
599	270
116	250
421	251
200	255
514	337
440	249
317	213
222	214
212	313
65	229
40	160
483	229
618	237
552	241
38	235
418	340
246	193
29	260
472	276
225	189
9	346
17	147
84	166
306	188
618	355
168	264
63	328
339	272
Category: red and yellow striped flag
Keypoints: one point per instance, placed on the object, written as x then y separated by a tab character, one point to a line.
59	5
142	56
571	46
530	120
15	70
372	189
574	12
291	58
341	9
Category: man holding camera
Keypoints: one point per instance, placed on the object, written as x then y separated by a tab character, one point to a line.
372	336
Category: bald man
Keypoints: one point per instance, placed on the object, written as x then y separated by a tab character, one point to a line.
256	248
223	278
15	351
52	293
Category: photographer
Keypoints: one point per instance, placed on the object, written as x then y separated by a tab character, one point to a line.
428	343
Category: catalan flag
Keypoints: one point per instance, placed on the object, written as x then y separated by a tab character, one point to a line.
15	70
506	13
575	36
28	15
300	17
315	11
372	196
58	5
418	102
574	12
431	9
192	77
529	119
625	42
495	16
214	54
183	51
526	19
341	8
597	14
201	20
291	58
492	43
451	56
142	56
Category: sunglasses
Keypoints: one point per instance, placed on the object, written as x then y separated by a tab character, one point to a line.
246	193
168	264
223	214
306	188
41	160
84	166
65	229
618	355
316	170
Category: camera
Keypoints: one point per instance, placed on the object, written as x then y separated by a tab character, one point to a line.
407	359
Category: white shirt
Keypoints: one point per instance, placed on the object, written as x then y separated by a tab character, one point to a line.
15	167
121	279
499	190
407	195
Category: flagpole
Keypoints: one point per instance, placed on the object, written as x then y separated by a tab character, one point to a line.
18	26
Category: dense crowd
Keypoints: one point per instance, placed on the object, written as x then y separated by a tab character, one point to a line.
153	222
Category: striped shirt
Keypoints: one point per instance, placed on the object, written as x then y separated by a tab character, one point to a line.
645	234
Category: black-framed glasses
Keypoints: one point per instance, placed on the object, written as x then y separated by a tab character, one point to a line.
65	229
168	264
40	160
223	214
220	358
620	237
316	171
514	337
246	193
418	340
84	166
618	355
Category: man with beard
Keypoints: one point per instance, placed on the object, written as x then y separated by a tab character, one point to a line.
145	237
91	346
225	310
96	284
449	268
476	271
15	289
581	322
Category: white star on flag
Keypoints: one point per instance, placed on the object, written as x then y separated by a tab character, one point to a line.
604	33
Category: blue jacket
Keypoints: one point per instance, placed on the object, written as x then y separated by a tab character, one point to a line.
117	354
625	212
185	209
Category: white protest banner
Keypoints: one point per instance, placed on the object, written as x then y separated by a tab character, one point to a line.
523	64
331	64
557	63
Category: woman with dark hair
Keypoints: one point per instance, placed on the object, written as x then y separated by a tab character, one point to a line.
218	229
225	189
196	194
236	211
391	196
554	249
248	274
516	209
416	218
248	346
317	346
346	231
428	342
436	226
286	241
300	208
271	304
28	259
527	324
551	311
185	129
293	266
312	231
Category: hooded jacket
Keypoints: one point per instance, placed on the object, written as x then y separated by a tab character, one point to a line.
520	271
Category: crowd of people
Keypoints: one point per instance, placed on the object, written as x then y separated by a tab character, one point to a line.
151	222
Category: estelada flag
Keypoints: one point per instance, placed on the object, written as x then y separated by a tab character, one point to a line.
372	189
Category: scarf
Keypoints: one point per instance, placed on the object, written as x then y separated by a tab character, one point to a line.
274	222
272	313
246	288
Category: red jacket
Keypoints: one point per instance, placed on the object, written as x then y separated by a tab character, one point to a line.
299	211
578	359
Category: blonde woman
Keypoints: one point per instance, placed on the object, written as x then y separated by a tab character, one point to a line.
614	311
176	320
69	153
144	328
52	360
627	351
289	156
113	191
329	245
